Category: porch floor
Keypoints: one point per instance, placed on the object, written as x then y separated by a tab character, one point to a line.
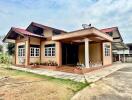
68	69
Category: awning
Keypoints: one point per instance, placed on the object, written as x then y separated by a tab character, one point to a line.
119	46
91	33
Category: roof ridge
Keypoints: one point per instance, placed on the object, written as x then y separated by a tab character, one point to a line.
18	28
109	28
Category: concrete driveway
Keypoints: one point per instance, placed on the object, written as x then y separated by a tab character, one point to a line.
117	86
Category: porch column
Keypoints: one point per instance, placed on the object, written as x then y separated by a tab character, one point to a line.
119	57
27	52
87	53
16	52
59	53
124	56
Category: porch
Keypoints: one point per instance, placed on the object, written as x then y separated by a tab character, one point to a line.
86	48
64	68
73	53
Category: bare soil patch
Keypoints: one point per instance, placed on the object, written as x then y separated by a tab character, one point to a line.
17	85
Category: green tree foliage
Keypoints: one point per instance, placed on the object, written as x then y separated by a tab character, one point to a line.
11	48
1	48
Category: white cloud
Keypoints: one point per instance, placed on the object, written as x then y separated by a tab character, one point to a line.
68	14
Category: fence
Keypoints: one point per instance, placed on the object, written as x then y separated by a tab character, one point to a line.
128	59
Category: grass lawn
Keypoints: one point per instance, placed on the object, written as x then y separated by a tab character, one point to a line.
19	85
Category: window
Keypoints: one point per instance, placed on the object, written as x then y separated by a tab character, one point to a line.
110	33
34	52
107	50
36	30
56	32
50	50
21	51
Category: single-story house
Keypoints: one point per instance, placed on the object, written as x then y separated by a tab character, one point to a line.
88	47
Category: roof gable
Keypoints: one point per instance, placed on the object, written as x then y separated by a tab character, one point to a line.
43	27
15	32
25	32
116	34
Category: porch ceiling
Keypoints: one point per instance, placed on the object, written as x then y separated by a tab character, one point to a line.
92	34
119	46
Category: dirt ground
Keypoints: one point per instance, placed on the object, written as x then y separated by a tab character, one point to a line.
18	86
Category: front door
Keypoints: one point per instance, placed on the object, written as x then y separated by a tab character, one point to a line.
21	54
69	54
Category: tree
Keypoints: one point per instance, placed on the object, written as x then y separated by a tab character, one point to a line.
11	48
1	48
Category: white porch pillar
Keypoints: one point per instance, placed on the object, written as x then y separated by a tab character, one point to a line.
87	53
124	56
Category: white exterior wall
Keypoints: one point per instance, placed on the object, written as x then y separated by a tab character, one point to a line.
121	51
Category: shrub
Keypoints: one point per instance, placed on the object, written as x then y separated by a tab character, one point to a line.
49	63
35	63
44	63
5	58
31	63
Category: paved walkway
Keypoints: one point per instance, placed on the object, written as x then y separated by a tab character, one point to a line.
56	74
117	86
101	73
89	77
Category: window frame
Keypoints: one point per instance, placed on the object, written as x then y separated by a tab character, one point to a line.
34	52
107	50
50	51
21	52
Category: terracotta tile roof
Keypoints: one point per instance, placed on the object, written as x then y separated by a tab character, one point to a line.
24	32
109	29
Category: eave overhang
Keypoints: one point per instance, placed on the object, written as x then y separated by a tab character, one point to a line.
84	33
15	32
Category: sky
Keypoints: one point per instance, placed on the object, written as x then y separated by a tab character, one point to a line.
68	15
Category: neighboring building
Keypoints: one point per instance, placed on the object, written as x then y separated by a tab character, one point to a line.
124	55
88	47
129	45
118	47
